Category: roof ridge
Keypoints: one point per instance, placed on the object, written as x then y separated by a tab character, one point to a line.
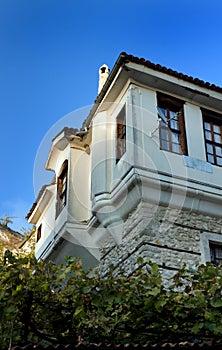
170	71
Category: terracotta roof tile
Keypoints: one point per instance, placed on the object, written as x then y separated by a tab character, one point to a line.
163	69
68	132
125	58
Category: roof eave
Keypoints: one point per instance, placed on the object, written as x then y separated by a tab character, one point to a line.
37	208
125	59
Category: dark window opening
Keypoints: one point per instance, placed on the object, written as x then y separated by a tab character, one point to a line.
212	124
121	134
39	233
216	253
62	188
172	128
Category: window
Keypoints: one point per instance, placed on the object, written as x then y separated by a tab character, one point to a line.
39	233
62	188
172	128
216	253
121	134
213	137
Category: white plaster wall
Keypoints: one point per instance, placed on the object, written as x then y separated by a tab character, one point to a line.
47	220
147	153
146	132
154	166
61	157
117	170
99	153
79	205
63	215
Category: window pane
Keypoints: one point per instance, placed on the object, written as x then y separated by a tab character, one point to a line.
219	160
123	131
216	129
218	151
173	115
164	134
62	188
208	135
162	114
206	126
39	232
165	145
217	138
175	138
210	158
120	134
209	148
213	136
176	148
170	110
174	124
216	253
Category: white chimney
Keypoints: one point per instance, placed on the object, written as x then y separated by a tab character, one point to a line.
103	75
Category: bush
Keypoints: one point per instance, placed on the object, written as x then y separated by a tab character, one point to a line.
48	304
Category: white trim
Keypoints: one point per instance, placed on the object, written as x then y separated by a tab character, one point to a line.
205	239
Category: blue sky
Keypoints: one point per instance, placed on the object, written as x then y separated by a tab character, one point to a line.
51	51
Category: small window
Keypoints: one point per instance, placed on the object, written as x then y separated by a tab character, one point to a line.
121	134
212	124
39	233
172	127
216	253
62	188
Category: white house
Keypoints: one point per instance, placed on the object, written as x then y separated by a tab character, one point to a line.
143	177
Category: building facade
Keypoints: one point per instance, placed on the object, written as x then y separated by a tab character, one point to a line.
142	178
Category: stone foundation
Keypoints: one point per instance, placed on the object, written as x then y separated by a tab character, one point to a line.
168	237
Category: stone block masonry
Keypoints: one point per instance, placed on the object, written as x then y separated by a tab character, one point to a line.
167	236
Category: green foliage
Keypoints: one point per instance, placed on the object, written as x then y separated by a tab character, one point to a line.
7	220
48	303
27	232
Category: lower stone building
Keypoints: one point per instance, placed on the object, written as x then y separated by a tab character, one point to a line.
167	236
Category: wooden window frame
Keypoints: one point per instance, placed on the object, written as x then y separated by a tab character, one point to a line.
62	184
213	146
214	258
121	134
172	131
39	233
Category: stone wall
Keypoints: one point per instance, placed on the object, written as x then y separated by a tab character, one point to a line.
169	237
